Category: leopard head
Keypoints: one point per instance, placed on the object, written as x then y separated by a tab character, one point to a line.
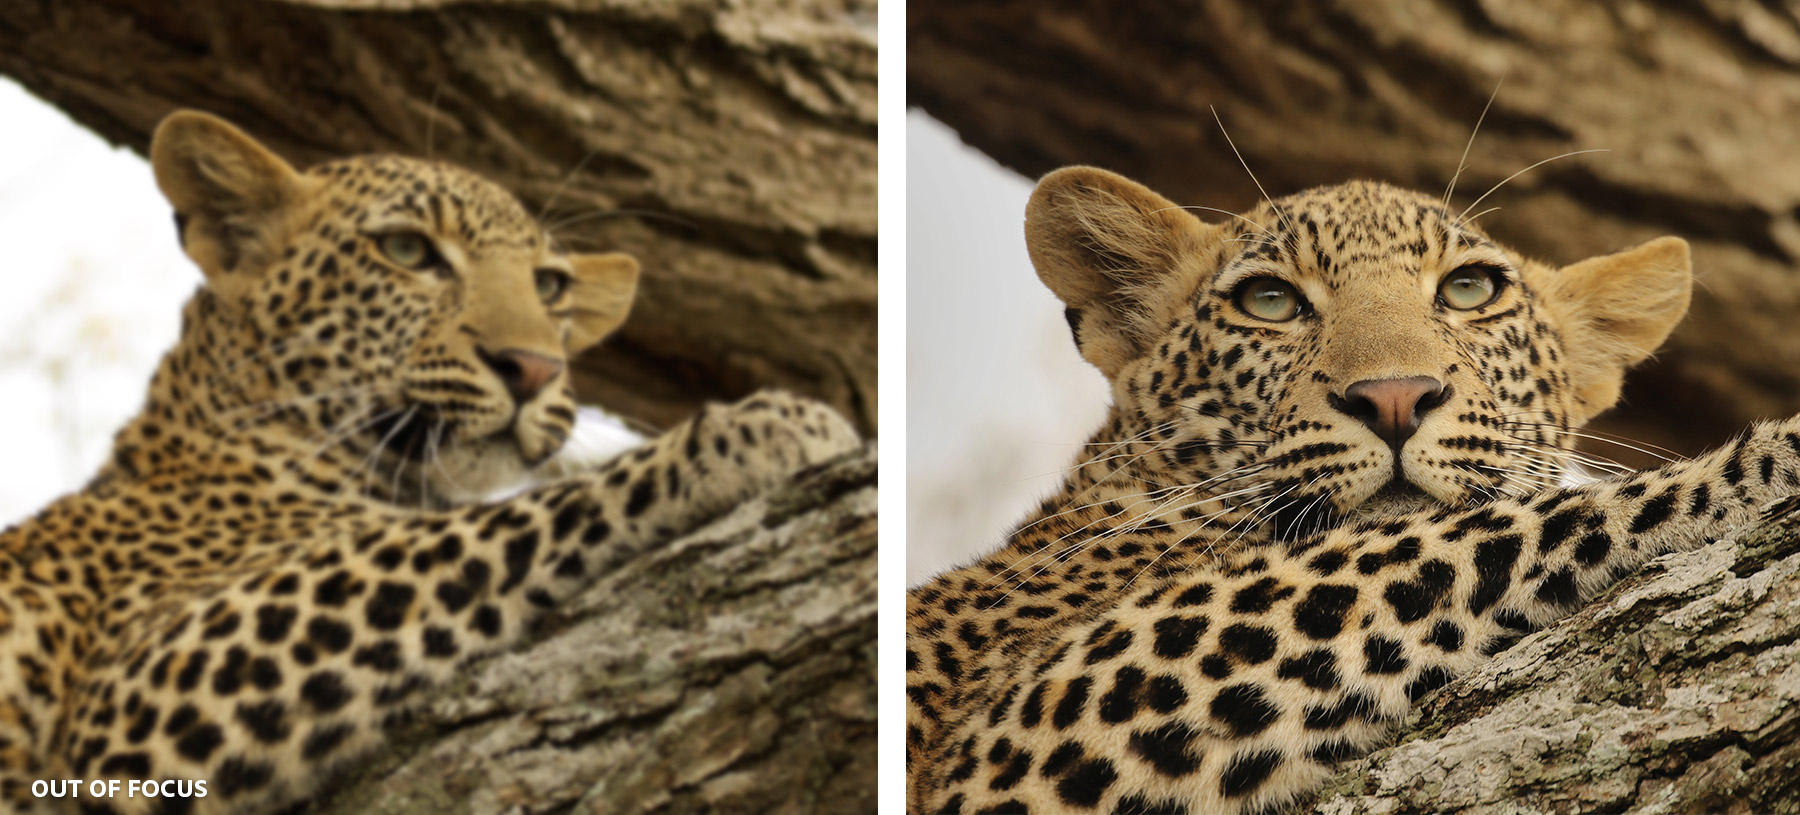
1349	349
410	308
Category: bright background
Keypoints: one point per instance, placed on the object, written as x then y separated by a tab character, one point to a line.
93	287
998	402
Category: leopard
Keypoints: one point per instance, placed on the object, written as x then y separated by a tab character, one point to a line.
1340	469
298	537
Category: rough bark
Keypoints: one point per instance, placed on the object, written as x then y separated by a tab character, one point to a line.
1678	691
730	146
1695	102
733	671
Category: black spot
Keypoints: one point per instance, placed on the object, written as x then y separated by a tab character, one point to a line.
238	774
1016	764
1320	614
519	552
1334	717
1121	703
1654	511
1215	666
1327	563
198	743
273	622
1084	785
439	642
1384	655
1414	599
1427	681
221	627
1558	589
1260	596
1557	528
1317	669
642	493
1109	649
1074	698
330	635
1031	711
1494	559
387	607
1250	644
1168	749
1244	709
324	739
1164	693
1247	771
266	720
383	656
1334	751
326	691
1447	636
1060	759
1195	595
1177	636
333	590
1593	548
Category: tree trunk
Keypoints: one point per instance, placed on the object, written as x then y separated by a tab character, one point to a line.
1678	691
1695	101
732	671
729	146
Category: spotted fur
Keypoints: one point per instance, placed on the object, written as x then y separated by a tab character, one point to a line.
279	558
1245	579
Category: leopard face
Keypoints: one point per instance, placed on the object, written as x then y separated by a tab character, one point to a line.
411	311
1347	350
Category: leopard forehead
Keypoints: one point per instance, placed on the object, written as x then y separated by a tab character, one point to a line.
449	201
1343	234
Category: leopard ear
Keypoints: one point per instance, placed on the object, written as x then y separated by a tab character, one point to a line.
604	287
229	192
1614	311
1120	257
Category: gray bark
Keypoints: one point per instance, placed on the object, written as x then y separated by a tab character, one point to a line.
732	671
1678	691
729	146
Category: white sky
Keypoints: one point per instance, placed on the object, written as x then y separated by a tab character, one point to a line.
998	401
94	283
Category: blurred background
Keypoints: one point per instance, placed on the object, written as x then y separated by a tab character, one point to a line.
998	401
1695	106
94	287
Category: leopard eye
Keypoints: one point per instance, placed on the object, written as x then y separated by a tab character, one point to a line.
1269	298
1470	287
551	283
408	250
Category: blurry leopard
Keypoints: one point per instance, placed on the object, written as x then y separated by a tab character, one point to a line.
1337	473
282	552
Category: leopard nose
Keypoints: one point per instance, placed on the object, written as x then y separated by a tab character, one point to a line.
1392	408
524	372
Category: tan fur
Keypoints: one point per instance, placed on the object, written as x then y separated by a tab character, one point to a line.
1161	634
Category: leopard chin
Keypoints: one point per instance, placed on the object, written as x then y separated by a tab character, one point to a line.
1397	497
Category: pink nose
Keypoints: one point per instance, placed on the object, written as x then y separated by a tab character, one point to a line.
1392	408
525	373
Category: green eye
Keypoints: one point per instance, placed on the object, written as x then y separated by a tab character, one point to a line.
551	283
1470	287
409	250
1269	298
